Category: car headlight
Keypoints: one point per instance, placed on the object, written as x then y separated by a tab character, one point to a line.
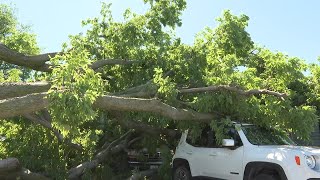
311	161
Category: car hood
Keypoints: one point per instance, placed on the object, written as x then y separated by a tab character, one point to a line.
283	148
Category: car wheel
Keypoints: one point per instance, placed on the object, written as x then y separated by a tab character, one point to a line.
181	173
265	177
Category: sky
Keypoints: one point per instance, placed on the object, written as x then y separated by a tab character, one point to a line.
288	26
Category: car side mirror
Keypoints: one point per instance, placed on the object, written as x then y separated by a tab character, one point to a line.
227	142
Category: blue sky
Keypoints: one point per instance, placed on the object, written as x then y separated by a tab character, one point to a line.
288	26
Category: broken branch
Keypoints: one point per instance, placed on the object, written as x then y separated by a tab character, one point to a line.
233	89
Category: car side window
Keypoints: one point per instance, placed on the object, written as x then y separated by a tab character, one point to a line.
208	139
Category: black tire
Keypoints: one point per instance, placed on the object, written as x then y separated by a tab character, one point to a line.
181	173
266	177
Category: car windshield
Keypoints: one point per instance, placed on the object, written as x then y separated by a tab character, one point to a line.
261	136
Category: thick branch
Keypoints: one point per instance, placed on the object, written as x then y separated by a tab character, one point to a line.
233	89
36	62
10	168
114	147
25	174
10	90
22	105
148	90
8	165
108	103
35	102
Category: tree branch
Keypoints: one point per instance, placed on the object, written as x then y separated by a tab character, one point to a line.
148	90
114	147
11	168
233	89
36	62
23	105
155	106
10	90
9	164
35	102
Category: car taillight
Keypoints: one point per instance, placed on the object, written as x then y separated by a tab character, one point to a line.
297	158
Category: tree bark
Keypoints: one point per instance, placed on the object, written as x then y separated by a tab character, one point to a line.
10	90
10	168
23	105
148	90
36	62
9	165
39	62
38	101
155	106
233	89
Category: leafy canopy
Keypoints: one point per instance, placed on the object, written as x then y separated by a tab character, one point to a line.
224	55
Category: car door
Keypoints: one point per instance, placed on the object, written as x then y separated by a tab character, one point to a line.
196	156
196	150
202	155
210	159
226	162
208	156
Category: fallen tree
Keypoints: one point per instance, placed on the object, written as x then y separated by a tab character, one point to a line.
133	84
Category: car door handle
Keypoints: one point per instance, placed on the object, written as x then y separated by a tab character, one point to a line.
213	154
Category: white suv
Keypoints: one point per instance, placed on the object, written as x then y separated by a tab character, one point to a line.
247	153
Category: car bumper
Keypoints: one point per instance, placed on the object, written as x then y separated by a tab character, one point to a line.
303	173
